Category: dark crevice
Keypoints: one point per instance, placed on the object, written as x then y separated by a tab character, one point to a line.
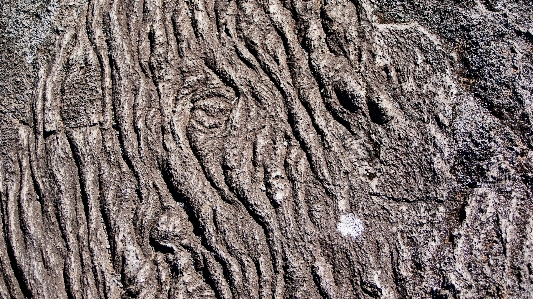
158	247
212	183
462	212
179	40
151	67
197	226
265	226
308	109
399	281
118	127
85	199
106	219
81	180
47	134
36	186
345	99
292	122
17	269
137	131
207	276
246	62
67	283
224	77
259	274
339	114
370	288
180	198
321	291
194	22
499	233
377	112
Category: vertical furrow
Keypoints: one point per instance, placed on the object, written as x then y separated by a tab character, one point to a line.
118	197
301	121
186	178
72	219
274	177
239	179
88	167
71	214
7	261
203	213
52	245
95	21
124	74
310	96
34	233
109	179
13	232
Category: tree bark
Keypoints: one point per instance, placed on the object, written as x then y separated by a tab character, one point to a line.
266	149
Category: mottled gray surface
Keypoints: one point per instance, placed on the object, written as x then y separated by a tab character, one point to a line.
266	149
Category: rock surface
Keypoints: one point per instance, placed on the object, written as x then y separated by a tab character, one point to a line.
266	149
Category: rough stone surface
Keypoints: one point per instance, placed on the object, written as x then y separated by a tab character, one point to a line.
266	149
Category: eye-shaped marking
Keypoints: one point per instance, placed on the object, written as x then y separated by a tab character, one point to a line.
214	107
210	113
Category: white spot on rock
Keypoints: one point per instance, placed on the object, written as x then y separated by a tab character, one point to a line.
350	225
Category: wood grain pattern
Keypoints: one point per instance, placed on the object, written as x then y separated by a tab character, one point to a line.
266	149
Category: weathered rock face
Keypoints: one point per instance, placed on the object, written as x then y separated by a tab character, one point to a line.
266	149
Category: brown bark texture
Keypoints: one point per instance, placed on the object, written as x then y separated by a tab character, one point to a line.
266	149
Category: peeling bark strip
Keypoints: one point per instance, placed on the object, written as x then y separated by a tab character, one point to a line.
266	149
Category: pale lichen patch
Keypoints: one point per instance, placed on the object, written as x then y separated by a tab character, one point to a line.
350	225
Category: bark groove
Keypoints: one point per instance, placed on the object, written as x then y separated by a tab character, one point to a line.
264	149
